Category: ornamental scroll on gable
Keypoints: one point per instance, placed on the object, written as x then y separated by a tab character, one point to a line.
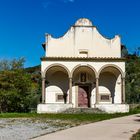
83	40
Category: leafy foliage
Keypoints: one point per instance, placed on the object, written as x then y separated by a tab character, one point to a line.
19	90
133	79
124	51
136	136
12	65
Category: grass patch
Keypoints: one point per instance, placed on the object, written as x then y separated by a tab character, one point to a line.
136	136
71	117
82	117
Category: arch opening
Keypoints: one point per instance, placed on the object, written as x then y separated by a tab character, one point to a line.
84	78
57	84
110	88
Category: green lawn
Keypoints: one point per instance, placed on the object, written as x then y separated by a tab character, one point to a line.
70	117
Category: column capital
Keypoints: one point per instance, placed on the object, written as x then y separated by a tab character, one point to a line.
43	78
97	77
123	78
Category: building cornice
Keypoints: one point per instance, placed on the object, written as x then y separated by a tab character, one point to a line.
111	59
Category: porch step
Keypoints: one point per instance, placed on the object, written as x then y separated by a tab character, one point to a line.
82	110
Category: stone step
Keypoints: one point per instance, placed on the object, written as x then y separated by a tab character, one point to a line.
82	110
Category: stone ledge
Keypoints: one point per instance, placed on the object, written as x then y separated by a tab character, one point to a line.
113	108
52	108
58	108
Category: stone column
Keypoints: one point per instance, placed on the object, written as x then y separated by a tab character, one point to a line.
43	89
123	90
97	90
70	90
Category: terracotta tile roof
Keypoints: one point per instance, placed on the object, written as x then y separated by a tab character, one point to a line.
84	58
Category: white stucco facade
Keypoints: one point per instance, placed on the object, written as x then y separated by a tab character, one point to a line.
82	69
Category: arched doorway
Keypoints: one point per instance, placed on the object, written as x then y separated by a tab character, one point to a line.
84	80
83	96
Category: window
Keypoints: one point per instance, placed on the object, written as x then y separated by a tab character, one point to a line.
83	53
59	97
105	98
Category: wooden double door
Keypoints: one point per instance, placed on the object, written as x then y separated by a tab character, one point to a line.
84	95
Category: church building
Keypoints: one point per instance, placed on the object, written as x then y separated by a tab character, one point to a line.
82	69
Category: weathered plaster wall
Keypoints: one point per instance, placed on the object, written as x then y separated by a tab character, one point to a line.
83	36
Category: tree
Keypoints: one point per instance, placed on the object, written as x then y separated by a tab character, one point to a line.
124	51
18	90
12	64
133	79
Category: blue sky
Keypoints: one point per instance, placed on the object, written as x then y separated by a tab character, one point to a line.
23	23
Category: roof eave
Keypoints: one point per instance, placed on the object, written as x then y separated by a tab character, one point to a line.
83	59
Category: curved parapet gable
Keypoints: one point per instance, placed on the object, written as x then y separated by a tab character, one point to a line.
83	40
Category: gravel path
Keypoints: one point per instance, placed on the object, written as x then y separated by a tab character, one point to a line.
27	128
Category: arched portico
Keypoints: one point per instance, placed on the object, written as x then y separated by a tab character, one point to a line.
111	78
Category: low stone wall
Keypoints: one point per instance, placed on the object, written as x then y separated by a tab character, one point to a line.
58	108
113	108
52	108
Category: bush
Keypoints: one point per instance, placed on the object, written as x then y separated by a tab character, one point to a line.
18	90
